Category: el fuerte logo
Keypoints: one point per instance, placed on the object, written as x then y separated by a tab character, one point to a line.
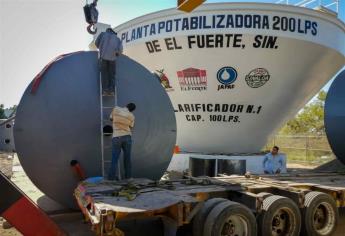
226	76
192	79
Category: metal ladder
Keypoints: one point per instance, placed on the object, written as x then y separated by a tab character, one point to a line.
107	105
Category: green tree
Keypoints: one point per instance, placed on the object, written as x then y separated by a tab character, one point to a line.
13	110
2	112
309	120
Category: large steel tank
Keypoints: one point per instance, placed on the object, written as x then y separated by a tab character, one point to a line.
335	116
235	72
58	120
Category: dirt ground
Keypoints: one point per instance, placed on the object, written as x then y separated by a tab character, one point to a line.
298	166
6	163
8	232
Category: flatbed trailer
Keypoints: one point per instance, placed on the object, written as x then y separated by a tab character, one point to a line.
287	204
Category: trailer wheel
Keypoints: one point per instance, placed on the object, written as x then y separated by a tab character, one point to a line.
200	217
320	214
230	219
279	216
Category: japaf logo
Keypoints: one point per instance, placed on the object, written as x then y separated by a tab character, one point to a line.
257	77
226	76
192	79
163	79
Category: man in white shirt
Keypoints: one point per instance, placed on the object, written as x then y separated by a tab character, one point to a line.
273	162
123	122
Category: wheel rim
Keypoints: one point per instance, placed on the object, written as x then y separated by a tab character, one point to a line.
323	218
235	225
282	222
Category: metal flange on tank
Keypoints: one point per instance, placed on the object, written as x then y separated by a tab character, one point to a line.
59	120
335	116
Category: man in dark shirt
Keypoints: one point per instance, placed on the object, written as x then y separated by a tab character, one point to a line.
110	47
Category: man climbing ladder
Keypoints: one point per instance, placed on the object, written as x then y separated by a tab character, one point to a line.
110	47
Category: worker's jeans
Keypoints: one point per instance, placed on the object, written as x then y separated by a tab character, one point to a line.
121	143
108	71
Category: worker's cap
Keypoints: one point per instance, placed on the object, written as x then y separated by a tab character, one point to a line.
111	30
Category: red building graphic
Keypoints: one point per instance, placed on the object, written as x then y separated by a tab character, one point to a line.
192	79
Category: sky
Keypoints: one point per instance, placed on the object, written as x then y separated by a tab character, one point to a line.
34	32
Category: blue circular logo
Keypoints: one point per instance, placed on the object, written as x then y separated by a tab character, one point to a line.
226	75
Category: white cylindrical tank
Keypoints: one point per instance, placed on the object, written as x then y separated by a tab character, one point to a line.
235	72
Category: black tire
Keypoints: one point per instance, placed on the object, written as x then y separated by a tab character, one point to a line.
320	215
279	215
230	218
200	217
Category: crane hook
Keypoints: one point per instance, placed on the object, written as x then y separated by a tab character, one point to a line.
91	16
91	29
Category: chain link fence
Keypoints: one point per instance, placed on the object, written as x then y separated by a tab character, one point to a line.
313	150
